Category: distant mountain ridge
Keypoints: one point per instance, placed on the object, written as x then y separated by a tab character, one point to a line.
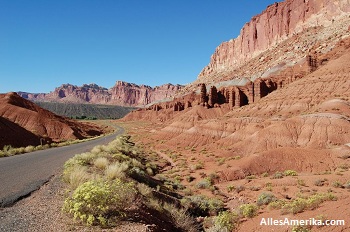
122	94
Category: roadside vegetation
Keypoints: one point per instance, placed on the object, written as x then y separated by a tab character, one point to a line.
8	150
116	182
120	181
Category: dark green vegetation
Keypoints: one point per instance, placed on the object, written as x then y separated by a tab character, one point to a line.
86	111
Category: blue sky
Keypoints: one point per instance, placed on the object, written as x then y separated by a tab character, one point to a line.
46	43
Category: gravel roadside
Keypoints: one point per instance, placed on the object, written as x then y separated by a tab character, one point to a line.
41	211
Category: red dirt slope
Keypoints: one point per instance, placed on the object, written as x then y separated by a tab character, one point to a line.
23	123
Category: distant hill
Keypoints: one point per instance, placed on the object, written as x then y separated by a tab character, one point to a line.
24	123
86	111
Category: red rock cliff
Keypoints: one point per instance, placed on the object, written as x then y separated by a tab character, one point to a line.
122	93
277	23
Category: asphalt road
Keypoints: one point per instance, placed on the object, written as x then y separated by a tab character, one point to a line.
22	174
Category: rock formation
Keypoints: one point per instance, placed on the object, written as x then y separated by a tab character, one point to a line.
298	22
203	94
122	93
213	96
24	123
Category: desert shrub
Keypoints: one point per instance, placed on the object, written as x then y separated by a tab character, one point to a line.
277	204
94	202
101	163
300	228
268	186
144	189
301	182
83	159
319	182
265	174
8	150
248	210
76	176
39	147
203	203
196	166
149	171
116	170
230	188
265	199
29	149
301	204
181	218
97	150
337	184
204	184
136	163
54	145
251	177
221	161
296	206
86	158
277	175
226	221
239	188
290	173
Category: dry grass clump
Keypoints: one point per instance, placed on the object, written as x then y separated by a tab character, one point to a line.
101	163
77	176
116	170
181	218
28	149
97	150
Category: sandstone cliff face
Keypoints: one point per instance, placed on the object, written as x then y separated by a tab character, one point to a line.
279	22
122	93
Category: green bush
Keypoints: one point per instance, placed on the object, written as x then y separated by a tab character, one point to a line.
95	201
226	221
290	173
301	204
248	210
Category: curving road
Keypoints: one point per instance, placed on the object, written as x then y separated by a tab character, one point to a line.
22	174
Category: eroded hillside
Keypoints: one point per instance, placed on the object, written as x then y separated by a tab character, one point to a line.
23	123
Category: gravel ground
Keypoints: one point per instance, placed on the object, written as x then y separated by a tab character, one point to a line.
41	211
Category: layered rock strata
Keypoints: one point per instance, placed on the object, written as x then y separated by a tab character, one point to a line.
122	93
282	33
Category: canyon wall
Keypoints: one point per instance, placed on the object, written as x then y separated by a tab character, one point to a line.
276	24
122	93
